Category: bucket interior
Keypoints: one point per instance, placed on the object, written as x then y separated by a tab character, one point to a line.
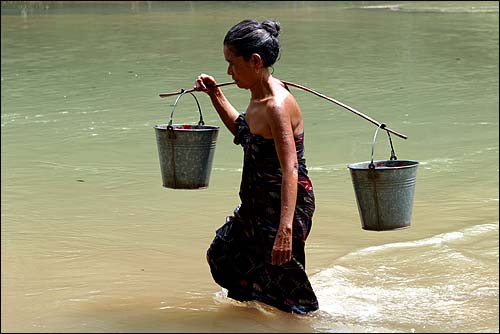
385	164
187	127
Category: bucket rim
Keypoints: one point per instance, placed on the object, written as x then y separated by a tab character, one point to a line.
192	127
357	165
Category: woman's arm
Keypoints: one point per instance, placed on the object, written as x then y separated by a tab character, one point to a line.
224	108
282	132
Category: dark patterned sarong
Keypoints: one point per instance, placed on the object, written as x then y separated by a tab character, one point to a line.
240	254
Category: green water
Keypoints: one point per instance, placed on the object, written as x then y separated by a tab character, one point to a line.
92	242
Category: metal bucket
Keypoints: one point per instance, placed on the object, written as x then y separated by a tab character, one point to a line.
186	152
384	191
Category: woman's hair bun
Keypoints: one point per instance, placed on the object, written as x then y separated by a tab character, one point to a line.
272	26
251	36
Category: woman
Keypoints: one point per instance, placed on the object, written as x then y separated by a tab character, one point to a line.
258	254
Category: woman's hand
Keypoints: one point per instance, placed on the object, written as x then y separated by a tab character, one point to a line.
205	83
282	248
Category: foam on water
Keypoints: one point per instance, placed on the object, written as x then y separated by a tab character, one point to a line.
391	283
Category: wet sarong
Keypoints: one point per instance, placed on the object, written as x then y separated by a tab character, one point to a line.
240	254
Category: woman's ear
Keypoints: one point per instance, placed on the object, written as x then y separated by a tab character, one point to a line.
256	60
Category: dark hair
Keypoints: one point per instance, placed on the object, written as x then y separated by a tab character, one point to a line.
250	36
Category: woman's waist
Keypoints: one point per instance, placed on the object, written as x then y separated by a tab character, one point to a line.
262	181
271	166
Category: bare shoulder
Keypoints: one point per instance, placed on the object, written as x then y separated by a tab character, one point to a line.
284	108
282	99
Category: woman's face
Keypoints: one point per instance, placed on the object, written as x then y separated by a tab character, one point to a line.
242	71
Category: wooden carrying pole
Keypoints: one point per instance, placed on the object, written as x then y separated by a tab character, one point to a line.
288	83
192	90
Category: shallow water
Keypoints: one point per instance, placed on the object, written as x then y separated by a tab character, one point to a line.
91	242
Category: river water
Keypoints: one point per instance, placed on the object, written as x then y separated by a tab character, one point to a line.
92	242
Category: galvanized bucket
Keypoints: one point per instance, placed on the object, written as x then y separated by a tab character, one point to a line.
384	191
186	151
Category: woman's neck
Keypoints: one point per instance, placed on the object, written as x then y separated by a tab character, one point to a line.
262	87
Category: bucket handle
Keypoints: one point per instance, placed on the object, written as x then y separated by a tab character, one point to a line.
393	155
184	92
